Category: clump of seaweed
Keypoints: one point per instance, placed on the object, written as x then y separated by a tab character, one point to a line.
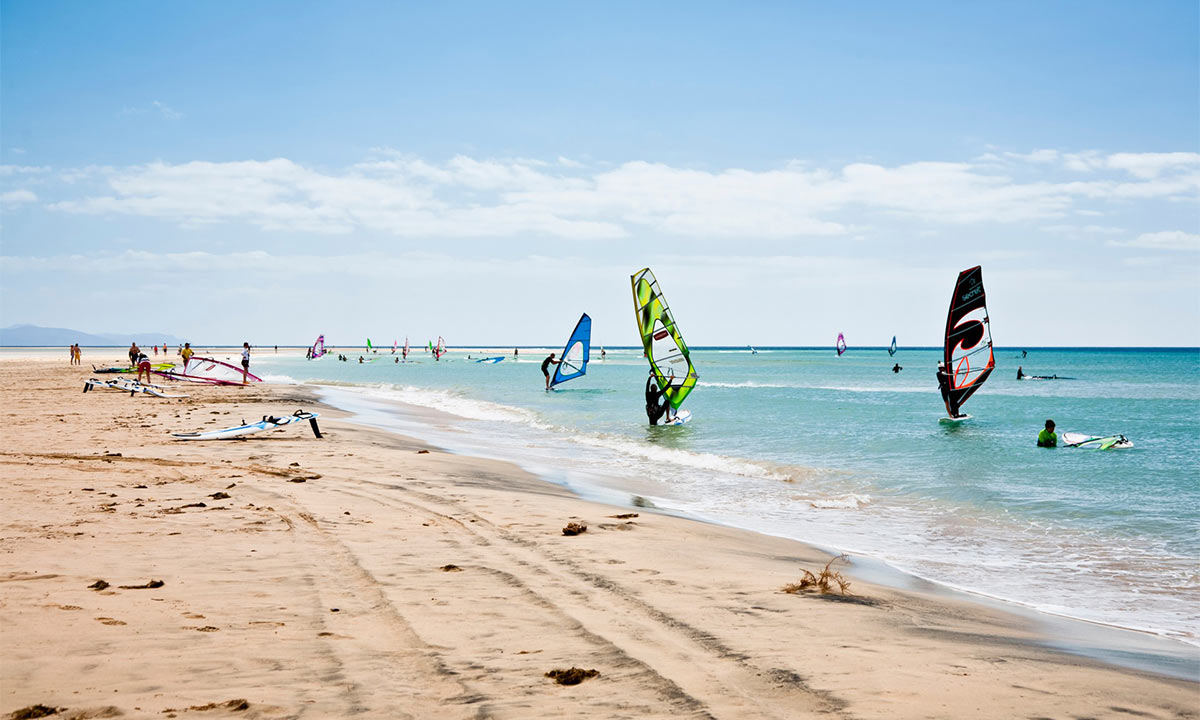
575	528
571	676
450	568
822	583
34	711
624	516
98	585
148	586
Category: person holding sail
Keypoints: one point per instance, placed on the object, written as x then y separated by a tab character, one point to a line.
545	371
658	407
943	379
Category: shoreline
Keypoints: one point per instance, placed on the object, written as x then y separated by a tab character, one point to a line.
1133	648
678	616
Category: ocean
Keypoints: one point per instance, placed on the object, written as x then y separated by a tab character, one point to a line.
842	453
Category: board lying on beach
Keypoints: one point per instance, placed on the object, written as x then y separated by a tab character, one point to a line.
267	423
130	386
163	367
1095	442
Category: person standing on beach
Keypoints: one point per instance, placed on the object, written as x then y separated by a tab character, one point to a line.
78	354
143	367
546	364
245	362
186	353
1048	438
134	351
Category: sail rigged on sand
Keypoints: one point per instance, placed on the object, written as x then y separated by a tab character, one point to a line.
576	353
670	361
209	370
968	351
841	344
318	348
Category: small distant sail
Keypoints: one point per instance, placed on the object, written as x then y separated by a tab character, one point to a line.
892	347
670	361
841	344
368	344
318	348
395	344
440	350
968	349
405	352
751	349
576	353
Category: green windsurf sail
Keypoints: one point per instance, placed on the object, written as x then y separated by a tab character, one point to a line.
670	361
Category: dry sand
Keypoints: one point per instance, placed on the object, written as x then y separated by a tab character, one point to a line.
321	587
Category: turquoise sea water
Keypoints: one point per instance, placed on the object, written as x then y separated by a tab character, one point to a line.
843	453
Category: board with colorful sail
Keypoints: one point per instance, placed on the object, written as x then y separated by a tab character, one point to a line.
668	355
318	348
892	347
841	344
440	349
968	358
212	372
576	353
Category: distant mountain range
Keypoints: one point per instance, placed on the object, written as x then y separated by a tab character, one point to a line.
35	336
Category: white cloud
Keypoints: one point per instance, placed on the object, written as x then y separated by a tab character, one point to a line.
17	197
1166	240
408	196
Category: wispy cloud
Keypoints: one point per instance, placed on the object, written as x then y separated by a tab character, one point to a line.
1165	240
17	197
470	197
156	107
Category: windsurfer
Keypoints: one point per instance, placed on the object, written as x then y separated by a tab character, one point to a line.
944	387
896	368
1020	373
546	364
656	404
1048	438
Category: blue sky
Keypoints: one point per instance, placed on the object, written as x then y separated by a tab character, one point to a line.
487	171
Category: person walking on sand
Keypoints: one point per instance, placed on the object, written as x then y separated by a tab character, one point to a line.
546	364
186	353
245	362
134	351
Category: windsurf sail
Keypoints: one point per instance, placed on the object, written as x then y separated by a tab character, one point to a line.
318	348
395	344
670	361
576	353
841	344
368	344
405	351
440	350
209	370
968	353
892	347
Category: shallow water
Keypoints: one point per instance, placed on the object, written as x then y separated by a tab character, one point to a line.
843	453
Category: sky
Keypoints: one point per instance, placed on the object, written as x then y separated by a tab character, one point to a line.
229	171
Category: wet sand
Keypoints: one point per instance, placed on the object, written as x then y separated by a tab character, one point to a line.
367	574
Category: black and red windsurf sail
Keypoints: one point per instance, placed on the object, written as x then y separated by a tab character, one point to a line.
968	353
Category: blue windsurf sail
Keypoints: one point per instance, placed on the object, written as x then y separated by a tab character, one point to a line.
576	354
892	348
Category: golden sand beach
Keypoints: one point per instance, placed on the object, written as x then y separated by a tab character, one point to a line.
365	574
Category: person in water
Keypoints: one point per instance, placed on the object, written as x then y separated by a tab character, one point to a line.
896	368
656	403
1020	373
545	365
944	387
1048	438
